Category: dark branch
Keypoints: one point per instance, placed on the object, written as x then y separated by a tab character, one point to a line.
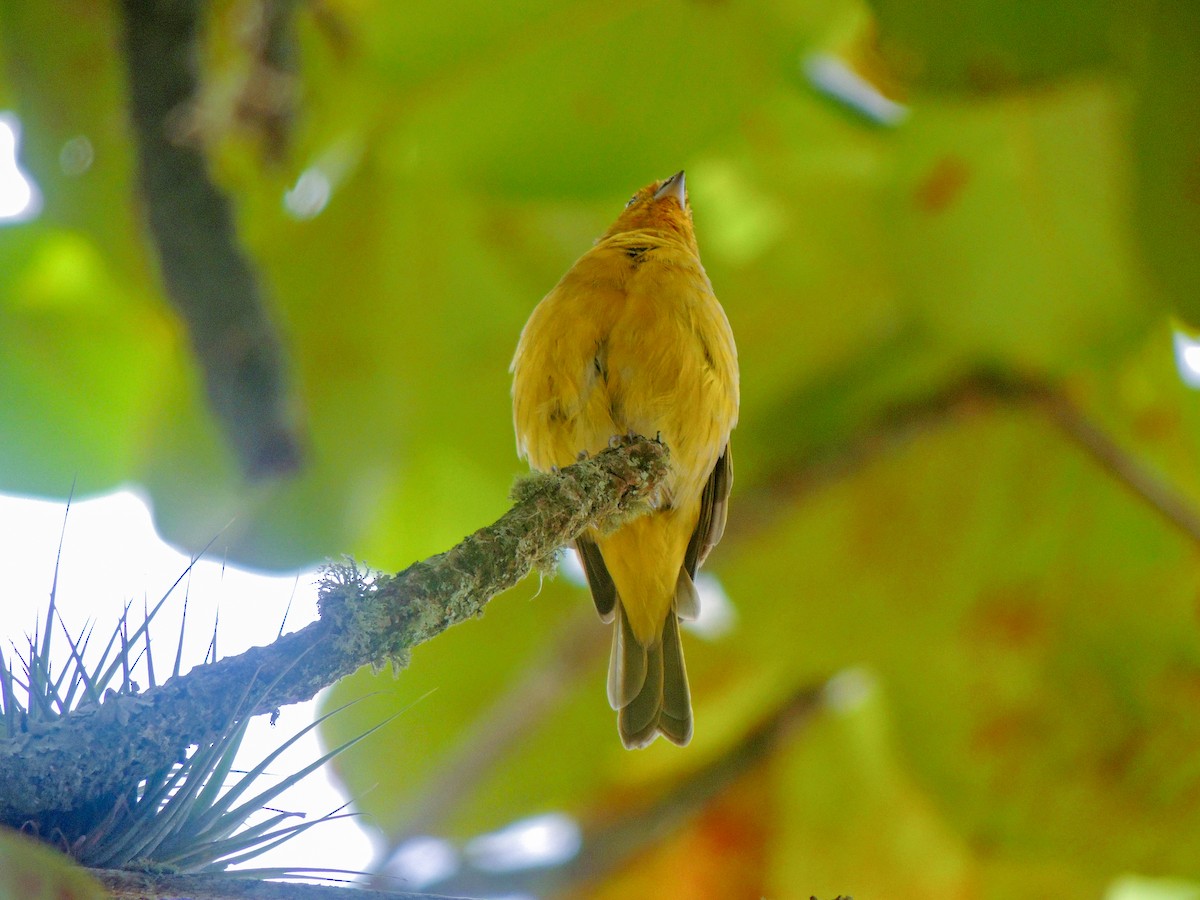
101	751
608	846
208	278
1125	467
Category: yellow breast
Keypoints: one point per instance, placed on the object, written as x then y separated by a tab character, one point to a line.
628	344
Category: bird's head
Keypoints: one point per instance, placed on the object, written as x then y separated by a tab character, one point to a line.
661	206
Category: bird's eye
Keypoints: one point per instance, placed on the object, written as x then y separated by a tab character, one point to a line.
632	200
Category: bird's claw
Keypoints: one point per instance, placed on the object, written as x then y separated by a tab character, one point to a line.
620	440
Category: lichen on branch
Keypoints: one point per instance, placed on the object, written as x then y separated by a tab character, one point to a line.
393	613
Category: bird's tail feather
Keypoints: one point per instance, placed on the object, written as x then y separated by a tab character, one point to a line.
648	685
626	663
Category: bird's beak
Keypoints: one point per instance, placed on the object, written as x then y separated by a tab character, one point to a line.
674	187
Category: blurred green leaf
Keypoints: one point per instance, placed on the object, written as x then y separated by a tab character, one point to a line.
985	45
32	871
1166	148
1008	222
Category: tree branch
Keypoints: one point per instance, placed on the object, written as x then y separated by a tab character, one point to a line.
1150	488
978	391
124	885
610	843
208	278
608	847
99	752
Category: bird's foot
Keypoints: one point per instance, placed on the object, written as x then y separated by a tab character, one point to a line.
620	440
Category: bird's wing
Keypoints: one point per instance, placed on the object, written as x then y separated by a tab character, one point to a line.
714	508
604	592
560	401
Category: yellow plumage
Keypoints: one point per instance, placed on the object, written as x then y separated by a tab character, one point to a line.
633	340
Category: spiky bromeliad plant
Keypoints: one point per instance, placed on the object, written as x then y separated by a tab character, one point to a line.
196	815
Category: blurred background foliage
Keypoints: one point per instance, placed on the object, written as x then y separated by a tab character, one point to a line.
967	482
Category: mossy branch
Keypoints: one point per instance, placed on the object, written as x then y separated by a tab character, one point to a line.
91	757
122	885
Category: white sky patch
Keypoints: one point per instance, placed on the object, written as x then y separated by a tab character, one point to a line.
421	862
20	199
310	194
536	842
1187	358
315	186
1134	887
718	616
849	689
111	555
570	566
832	77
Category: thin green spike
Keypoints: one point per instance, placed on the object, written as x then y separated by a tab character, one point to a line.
197	854
62	537
300	872
216	781
148	653
9	699
75	666
218	808
182	627
165	808
266	796
157	606
124	626
287	609
267	840
211	654
224	806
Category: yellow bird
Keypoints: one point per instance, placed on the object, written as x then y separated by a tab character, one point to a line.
632	340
